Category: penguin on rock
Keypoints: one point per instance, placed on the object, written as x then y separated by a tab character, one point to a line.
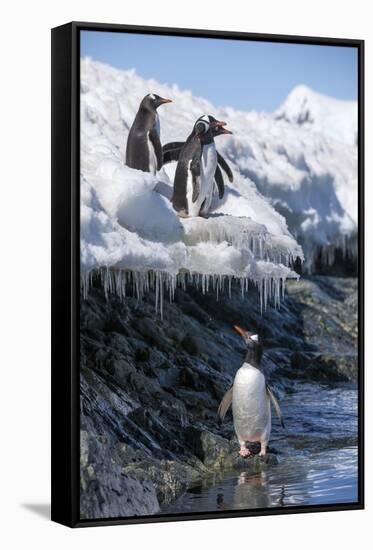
250	397
196	168
144	149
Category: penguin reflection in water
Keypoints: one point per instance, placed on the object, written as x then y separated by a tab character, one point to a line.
251	491
144	148
196	168
250	397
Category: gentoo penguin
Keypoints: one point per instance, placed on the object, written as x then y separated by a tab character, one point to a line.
250	397
171	152
195	171
144	149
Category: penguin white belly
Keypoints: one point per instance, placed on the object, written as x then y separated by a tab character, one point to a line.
153	164
251	405
209	161
157	124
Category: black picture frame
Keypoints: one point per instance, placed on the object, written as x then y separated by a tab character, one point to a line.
66	276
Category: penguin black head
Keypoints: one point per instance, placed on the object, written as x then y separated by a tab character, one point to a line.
254	345
204	127
206	123
151	102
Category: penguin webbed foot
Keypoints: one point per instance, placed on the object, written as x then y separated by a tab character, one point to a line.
244	452
263	450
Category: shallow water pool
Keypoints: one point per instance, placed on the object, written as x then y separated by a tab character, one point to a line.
317	459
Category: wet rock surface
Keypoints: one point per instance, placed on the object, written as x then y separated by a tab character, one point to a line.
105	490
150	388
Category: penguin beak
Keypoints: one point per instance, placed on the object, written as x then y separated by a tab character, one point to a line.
225	131
162	100
240	330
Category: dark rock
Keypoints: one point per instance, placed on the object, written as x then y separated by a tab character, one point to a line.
175	334
210	448
193	310
106	492
115	324
168	377
193	344
322	368
254	463
190	379
152	332
170	478
142	354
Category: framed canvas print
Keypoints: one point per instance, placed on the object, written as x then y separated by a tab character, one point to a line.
207	275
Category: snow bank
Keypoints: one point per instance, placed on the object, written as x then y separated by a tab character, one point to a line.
130	233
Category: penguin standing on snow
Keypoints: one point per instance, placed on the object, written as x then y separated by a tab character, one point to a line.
144	149
251	398
171	152
195	171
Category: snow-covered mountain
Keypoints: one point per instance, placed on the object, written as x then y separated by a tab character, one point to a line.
334	118
304	159
129	225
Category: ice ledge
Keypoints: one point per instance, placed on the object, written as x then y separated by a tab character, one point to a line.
269	279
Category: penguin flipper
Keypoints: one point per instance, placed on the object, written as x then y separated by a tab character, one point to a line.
171	151
172	145
276	405
169	156
223	163
225	404
219	182
196	188
154	138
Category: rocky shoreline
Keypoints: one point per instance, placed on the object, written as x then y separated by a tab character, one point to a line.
150	388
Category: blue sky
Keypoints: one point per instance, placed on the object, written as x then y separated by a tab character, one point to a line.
246	75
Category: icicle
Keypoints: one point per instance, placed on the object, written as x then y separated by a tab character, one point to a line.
271	288
156	292
137	289
161	294
261	296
